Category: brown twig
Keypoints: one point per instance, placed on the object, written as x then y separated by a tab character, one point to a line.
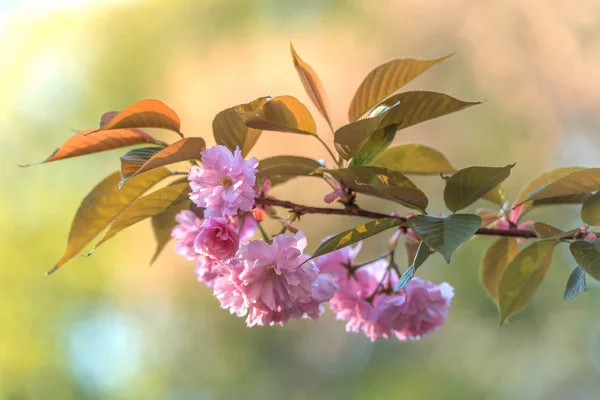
359	212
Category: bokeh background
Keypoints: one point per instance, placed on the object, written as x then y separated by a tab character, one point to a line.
111	327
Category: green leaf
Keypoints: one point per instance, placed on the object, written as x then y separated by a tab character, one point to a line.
545	231
230	130
494	262
587	255
445	235
182	150
312	84
406	109
350	138
411	108
383	183
146	207
575	183
280	169
133	160
522	277
385	80
590	211
413	159
377	143
163	224
544	179
470	184
355	235
423	252
102	205
282	114
575	284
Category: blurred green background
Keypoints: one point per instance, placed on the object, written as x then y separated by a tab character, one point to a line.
111	327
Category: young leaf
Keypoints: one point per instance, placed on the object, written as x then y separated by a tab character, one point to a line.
145	114
414	159
587	255
280	169
377	143
522	276
423	251
411	108
494	262
312	84
355	235
445	235
163	224
101	206
230	130
545	231
83	143
575	183
146	207
383	183
576	284
385	80
282	114
350	138
590	211
133	160
182	150
470	184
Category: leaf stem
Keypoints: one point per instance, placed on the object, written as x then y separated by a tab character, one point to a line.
335	160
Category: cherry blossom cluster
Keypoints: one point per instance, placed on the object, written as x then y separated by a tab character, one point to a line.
271	281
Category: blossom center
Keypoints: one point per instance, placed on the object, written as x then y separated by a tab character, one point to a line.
226	182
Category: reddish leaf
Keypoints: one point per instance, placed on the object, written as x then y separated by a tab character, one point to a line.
144	114
230	130
312	84
183	150
282	114
83	143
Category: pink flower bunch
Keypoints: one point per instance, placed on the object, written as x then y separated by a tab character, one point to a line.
271	283
372	308
224	183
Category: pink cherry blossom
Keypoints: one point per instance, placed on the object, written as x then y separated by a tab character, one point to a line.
337	262
267	282
217	239
185	232
246	226
424	309
421	307
208	270
224	182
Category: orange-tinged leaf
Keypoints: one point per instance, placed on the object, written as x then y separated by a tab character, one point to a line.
282	114
83	144
183	150
230	130
146	207
145	114
133	160
494	262
312	84
385	80
101	206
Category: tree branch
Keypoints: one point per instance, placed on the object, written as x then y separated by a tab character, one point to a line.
356	211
